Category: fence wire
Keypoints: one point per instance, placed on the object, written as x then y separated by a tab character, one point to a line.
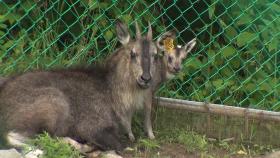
236	61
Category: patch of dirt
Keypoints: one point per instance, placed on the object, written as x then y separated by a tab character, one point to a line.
165	151
178	151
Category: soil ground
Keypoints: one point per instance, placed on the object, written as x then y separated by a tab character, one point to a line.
179	151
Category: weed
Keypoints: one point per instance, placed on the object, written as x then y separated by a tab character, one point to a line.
148	144
54	147
192	141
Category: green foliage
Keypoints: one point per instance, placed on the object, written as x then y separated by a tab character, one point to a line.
148	144
53	33
192	141
54	148
237	56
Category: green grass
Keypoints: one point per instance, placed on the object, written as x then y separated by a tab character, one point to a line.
147	144
192	141
225	137
197	144
182	132
54	147
187	140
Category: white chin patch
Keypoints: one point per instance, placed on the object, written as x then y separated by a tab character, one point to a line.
169	75
125	41
179	46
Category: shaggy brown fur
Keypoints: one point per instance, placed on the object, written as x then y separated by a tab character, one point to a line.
84	104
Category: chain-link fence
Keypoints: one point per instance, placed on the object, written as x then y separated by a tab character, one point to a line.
236	61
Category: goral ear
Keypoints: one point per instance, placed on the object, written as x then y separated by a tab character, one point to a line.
169	34
122	32
150	32
190	45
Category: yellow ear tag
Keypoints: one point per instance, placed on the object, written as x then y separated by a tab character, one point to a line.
168	44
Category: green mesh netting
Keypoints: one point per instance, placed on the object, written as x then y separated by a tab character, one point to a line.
236	61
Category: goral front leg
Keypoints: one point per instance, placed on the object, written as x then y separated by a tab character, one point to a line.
148	121
129	129
126	120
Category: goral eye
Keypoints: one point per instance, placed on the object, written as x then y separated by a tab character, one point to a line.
170	59
133	54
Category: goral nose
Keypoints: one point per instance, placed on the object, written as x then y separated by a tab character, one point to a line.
177	68
146	77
